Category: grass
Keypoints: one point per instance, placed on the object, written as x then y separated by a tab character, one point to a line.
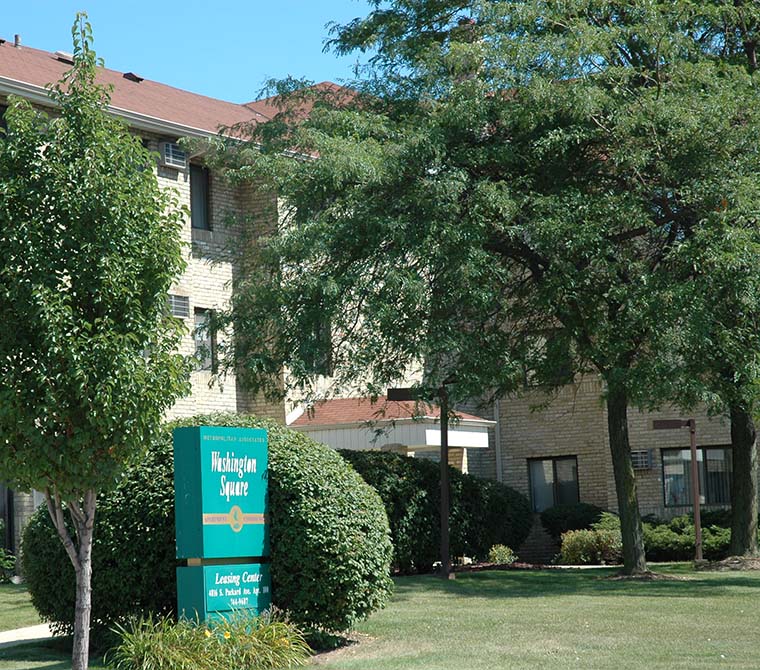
561	619
544	619
16	610
52	654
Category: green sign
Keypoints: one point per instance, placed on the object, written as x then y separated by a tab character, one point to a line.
204	590
221	492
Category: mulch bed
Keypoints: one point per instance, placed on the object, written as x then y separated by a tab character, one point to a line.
647	577
480	567
732	563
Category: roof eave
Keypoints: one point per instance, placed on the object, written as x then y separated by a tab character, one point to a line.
41	96
384	422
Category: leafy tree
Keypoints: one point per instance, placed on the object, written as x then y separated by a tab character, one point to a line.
89	247
515	186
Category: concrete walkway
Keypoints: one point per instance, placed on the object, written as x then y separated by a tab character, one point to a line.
10	638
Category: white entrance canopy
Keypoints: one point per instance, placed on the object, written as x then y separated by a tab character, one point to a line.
356	423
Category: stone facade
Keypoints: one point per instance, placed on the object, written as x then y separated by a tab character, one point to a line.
573	422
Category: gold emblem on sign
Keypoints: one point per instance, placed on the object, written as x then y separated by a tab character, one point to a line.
236	519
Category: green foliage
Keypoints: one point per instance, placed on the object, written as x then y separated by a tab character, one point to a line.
238	642
607	521
609	219
483	512
133	549
331	549
7	566
591	547
561	518
89	249
673	540
501	554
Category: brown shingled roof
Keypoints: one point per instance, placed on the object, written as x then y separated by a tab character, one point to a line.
360	410
338	94
146	97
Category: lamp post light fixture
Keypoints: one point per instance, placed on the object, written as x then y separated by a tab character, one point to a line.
406	394
691	424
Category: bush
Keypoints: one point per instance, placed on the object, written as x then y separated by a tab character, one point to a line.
562	518
673	540
7	565
591	547
239	642
501	555
607	521
483	512
331	547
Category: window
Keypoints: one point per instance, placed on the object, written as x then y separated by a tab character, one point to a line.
205	340
179	306
316	351
553	481
641	460
714	467
199	196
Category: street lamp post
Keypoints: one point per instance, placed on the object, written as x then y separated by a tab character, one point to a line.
691	424
406	394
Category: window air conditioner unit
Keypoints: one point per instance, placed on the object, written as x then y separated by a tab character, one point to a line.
642	460
172	155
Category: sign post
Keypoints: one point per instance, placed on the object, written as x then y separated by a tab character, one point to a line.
222	531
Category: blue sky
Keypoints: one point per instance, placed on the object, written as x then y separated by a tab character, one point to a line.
221	48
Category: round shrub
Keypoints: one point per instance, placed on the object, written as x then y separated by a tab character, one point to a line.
591	547
562	518
500	554
483	512
331	548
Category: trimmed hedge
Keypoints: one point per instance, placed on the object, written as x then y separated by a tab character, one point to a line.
483	512
674	540
591	547
331	548
562	518
671	540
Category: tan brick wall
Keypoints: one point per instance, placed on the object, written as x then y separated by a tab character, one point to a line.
209	279
481	462
710	432
568	423
573	422
23	507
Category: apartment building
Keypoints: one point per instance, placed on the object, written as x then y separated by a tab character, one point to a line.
554	449
160	115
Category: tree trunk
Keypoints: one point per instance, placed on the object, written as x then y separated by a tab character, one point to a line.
634	561
743	483
80	554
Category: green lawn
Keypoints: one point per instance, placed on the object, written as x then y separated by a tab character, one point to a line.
562	619
544	619
47	655
15	609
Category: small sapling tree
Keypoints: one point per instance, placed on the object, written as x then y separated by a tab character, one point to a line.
89	247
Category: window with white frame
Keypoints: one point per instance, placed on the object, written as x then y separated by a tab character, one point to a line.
199	197
205	339
179	306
